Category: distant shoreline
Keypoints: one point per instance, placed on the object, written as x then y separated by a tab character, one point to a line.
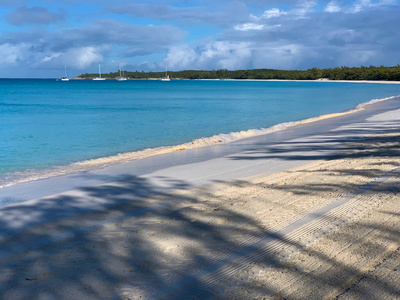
342	73
290	80
278	80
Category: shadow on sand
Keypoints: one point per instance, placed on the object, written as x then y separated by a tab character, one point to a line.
116	253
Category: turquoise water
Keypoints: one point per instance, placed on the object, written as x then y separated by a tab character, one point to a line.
47	123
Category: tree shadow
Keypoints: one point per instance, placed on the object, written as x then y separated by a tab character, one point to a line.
147	245
332	146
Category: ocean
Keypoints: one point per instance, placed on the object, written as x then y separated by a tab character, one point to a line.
49	127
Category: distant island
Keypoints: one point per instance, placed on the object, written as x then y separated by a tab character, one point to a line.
339	73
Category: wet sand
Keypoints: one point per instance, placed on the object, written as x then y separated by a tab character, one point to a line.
308	213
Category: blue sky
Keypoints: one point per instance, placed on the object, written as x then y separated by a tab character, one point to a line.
38	38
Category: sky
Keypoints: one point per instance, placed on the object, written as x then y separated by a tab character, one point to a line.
43	37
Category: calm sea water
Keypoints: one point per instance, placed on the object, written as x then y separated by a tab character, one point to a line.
47	123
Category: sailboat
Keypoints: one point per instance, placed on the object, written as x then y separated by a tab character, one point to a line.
99	78
166	78
121	78
65	78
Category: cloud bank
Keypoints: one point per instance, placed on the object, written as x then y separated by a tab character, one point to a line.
155	35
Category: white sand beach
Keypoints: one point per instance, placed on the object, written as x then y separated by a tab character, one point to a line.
309	212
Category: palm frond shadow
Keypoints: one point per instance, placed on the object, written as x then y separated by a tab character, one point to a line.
107	253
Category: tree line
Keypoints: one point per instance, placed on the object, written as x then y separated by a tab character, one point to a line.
338	73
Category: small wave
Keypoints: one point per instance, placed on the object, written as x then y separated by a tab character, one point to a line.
223	138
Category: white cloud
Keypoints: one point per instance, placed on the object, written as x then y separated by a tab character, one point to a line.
235	55
77	58
273	13
83	57
50	57
281	56
261	22
333	7
304	7
10	54
217	54
81	48
180	57
268	14
254	26
34	56
360	5
225	54
249	26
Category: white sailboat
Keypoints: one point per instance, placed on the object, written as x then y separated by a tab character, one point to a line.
166	78
121	77
99	78
65	78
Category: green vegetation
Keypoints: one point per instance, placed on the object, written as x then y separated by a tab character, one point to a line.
342	73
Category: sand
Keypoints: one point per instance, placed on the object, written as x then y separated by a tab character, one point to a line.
322	225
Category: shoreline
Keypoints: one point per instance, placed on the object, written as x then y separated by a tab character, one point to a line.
297	80
244	80
219	139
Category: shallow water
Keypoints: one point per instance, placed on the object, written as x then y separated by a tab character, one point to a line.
48	123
